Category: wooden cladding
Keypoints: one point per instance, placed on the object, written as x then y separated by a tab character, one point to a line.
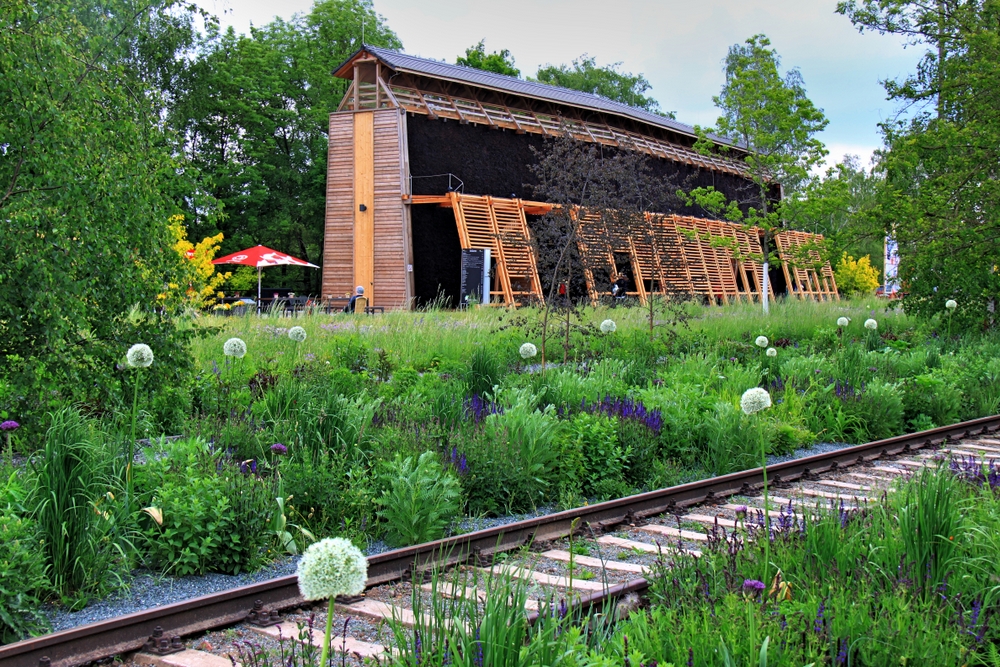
338	241
500	225
806	274
370	247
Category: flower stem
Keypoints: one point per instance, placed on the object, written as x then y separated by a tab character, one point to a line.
130	449
326	637
767	516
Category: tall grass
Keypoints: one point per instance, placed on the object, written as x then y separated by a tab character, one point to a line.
78	513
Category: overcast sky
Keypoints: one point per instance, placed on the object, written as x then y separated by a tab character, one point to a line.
678	45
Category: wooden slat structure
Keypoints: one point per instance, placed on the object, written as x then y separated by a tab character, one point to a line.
671	254
500	225
666	254
807	275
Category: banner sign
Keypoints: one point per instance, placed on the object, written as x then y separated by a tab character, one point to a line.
891	272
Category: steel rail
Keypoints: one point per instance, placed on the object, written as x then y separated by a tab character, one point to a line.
111	637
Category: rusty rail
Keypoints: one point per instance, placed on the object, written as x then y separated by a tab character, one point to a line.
128	633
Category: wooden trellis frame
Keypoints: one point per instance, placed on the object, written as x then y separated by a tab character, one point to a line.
674	254
804	280
500	225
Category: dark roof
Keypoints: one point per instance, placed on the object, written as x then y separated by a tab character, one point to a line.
402	62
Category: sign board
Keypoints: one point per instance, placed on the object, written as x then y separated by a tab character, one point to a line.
475	276
891	273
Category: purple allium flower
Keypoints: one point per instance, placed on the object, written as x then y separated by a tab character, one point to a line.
9	425
279	449
753	586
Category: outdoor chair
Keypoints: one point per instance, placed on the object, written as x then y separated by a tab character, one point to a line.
360	304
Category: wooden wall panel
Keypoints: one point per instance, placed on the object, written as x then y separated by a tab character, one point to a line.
364	196
338	241
392	245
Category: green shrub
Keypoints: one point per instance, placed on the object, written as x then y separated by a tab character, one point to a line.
214	523
22	572
934	398
603	459
328	496
420	501
879	408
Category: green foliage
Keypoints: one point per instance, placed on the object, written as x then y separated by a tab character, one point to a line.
88	184
593	439
934	398
773	118
500	62
607	81
78	516
485	370
934	201
22	572
420	500
215	523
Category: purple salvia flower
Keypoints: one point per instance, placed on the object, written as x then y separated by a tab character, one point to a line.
818	624
479	650
417	647
842	654
690	662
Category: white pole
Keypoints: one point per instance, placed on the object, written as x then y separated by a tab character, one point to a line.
258	290
763	296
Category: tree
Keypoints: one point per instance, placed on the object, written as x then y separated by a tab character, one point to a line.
87	185
941	199
608	82
500	62
252	115
840	205
771	118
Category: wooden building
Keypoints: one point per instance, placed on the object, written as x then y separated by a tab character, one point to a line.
427	158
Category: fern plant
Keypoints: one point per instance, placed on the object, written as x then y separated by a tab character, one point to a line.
420	500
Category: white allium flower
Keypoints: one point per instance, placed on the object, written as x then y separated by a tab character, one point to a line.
528	350
771	352
298	334
332	567
842	321
608	326
234	347
951	304
755	400
139	356
761	341
871	324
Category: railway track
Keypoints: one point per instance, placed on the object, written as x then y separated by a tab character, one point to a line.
617	540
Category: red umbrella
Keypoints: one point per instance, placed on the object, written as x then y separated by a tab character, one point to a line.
261	256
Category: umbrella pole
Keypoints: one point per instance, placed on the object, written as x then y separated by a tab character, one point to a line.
258	290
